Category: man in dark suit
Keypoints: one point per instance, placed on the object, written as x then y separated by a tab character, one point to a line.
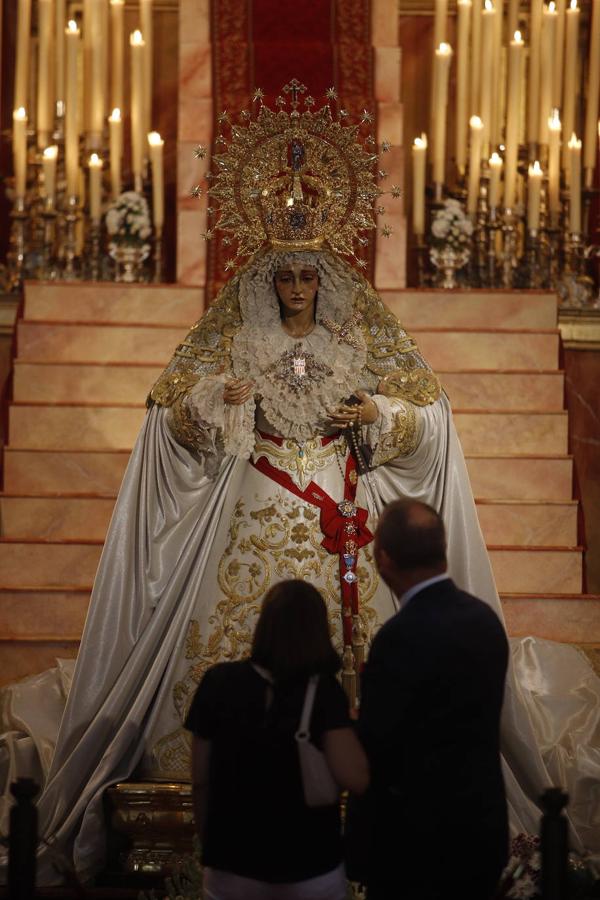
434	822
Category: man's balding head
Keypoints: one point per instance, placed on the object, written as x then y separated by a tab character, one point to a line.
410	544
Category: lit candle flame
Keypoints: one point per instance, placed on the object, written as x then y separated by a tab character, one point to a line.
136	38
495	159
421	142
72	27
517	38
95	160
475	122
51	152
154	139
115	115
554	121
536	169
574	144
489	6
20	113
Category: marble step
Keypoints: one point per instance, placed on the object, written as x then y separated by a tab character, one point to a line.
444	349
556	617
104	302
81	383
473	308
69	517
35	564
502	477
45	615
42	427
177	305
526	390
21	658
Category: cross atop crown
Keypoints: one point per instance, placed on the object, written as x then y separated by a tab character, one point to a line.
294	87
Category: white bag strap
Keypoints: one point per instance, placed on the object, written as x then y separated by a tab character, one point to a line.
303	733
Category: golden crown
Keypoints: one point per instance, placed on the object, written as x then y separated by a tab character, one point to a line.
297	179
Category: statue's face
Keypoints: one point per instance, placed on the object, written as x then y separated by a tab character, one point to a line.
296	285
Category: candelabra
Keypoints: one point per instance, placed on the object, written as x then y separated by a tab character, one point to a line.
16	255
509	247
71	218
94	243
157	257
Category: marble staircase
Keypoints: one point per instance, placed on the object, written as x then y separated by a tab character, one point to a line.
87	354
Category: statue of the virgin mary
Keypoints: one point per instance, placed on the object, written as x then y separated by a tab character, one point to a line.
293	411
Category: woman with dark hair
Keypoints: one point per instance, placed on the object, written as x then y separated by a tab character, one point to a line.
259	838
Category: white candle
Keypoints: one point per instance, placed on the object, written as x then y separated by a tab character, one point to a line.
497	81
462	83
476	133
115	124
574	151
97	75
495	163
554	129
593	94
136	43
443	55
60	20
419	153
513	111
23	51
547	65
570	83
147	31
475	58
156	143
49	166
72	41
533	105
534	189
557	78
45	112
95	166
19	142
118	49
488	17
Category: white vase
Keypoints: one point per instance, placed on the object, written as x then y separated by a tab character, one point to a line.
448	261
129	259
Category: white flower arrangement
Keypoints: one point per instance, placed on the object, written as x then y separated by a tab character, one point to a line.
450	227
128	219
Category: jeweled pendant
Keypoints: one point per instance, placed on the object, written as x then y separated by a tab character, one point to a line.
350	577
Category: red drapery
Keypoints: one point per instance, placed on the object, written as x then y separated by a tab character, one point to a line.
266	43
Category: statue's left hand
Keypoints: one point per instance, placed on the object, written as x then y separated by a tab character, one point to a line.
346	415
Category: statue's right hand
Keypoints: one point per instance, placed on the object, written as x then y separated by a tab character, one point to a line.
237	391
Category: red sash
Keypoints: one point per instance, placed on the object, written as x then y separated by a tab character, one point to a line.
342	524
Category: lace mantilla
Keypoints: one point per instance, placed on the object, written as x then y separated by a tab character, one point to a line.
297	381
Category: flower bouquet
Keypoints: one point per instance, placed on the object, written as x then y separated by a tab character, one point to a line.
128	227
450	241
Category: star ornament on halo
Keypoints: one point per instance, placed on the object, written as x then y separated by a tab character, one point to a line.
199	152
331	93
196	192
387	231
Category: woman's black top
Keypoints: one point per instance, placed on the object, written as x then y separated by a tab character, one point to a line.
258	824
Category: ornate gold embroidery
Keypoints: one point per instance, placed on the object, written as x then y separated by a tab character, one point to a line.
280	539
300	461
419	386
403	437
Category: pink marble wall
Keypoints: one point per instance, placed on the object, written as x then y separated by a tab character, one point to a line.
195	116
